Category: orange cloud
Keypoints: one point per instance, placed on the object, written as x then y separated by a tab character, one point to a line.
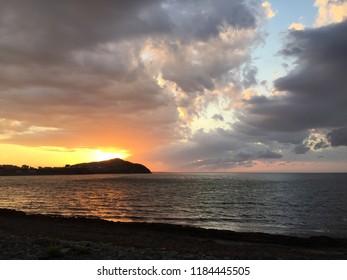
296	26
330	11
269	12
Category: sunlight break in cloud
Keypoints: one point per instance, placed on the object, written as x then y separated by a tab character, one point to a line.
269	12
330	11
296	26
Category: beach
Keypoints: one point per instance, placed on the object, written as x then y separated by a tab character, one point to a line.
24	236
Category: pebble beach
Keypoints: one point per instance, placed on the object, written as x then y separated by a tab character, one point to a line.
24	236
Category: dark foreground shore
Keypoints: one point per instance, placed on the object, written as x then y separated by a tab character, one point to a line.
25	236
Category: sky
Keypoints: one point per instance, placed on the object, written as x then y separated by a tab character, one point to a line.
194	85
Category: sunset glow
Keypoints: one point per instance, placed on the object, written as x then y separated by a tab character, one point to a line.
100	155
241	85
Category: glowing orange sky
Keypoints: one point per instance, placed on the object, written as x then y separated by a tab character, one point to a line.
161	85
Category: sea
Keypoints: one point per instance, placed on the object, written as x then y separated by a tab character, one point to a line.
298	204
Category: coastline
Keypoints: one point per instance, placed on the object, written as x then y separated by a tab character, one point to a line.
29	236
112	166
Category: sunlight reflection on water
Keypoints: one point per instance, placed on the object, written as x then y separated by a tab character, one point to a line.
299	204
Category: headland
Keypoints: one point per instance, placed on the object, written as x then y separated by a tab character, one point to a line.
112	166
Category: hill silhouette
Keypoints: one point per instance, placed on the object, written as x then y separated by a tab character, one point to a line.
112	166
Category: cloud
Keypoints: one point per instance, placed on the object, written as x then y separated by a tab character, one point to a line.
90	74
296	26
208	17
249	76
338	137
330	11
313	93
267	154
51	28
311	100
320	145
239	159
301	149
269	12
143	75
218	117
215	150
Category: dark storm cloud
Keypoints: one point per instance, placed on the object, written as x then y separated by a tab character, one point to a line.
320	145
338	137
301	149
315	90
48	29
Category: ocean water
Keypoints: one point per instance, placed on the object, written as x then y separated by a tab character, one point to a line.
292	204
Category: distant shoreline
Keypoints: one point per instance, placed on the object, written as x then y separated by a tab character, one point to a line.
39	233
113	166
